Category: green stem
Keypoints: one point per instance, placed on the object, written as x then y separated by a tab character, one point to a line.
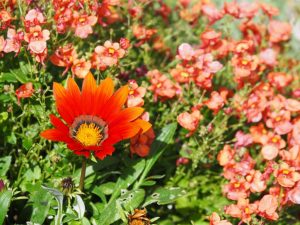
82	176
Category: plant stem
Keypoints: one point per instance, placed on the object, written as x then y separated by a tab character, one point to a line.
82	176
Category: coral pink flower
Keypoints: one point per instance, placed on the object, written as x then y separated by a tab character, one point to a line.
108	54
36	37
292	156
267	207
259	134
243	46
279	121
279	80
63	19
64	56
212	13
225	155
216	101
242	139
83	24
161	86
268	57
294	194
189	121
81	68
269	152
215	219
186	51
141	143
34	18
295	134
135	95
286	176
292	105
232	8
256	181
279	31
24	91
248	9
210	38
243	210
206	63
269	9
142	33
5	19
254	107
182	74
236	189
13	41
2	44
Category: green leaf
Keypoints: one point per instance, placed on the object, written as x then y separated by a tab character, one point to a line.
158	147
132	199
40	199
128	177
4	165
109	214
59	198
79	206
107	188
5	199
164	196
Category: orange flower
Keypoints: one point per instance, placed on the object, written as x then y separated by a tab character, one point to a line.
93	120
24	91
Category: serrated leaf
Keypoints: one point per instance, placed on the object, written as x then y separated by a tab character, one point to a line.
5	199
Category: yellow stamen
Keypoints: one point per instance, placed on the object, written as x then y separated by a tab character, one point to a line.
35	34
131	92
278	118
111	51
158	85
245	62
89	134
184	74
285	171
247	210
81	20
275	139
237	185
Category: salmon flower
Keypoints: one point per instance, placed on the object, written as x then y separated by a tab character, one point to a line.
83	24
215	219
93	120
25	91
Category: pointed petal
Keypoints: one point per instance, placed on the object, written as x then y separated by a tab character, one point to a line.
103	93
55	135
57	123
144	125
115	103
104	151
74	96
88	94
126	115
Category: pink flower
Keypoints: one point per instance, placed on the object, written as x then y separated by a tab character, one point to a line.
236	189
107	55
242	210
189	121
292	105
215	219
212	13
267	207
135	95
185	51
248	9
269	152
34	18
37	39
286	175
83	24
216	101
294	194
268	57
81	68
279	31
243	139
256	181
225	155
13	41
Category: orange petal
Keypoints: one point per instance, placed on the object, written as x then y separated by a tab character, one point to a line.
121	132
55	135
126	115
144	125
57	123
115	102
74	96
88	93
103	93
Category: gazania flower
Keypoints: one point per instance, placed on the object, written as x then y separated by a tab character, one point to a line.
93	120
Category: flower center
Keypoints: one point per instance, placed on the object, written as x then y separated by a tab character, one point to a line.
89	134
89	130
111	51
